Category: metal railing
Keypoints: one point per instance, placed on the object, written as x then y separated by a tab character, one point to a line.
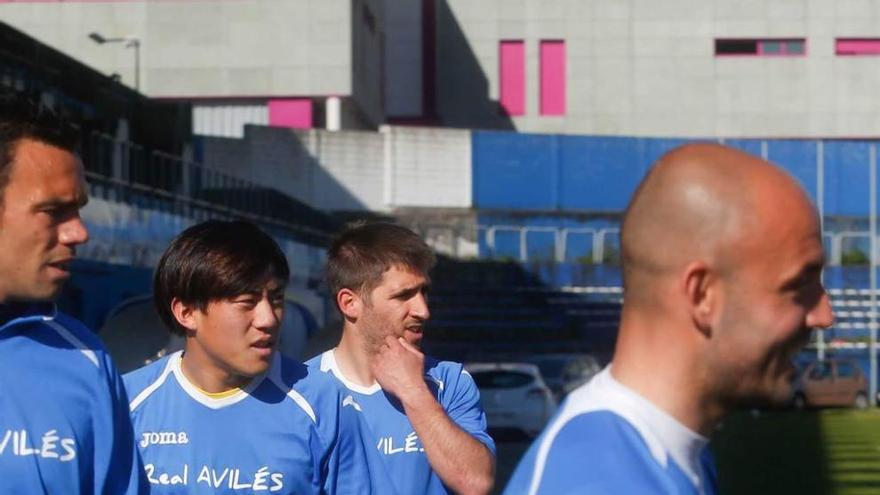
599	244
123	168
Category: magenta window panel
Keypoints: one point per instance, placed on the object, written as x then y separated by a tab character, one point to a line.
512	71
857	46
552	78
296	114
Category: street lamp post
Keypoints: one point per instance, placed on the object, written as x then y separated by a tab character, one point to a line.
130	42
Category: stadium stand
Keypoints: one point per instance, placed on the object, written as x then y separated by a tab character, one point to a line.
143	188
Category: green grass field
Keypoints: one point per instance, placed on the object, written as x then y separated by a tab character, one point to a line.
800	453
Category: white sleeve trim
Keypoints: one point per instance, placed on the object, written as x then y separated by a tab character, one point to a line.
303	404
141	397
71	338
330	365
597	395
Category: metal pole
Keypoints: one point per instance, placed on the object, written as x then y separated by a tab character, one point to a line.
137	64
559	245
388	168
490	239
563	244
872	346
820	205
599	247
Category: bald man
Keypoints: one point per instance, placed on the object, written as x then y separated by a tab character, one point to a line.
722	263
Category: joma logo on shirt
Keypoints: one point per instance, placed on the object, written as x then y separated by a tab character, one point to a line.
163	438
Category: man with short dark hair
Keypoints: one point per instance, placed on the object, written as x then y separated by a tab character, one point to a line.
64	425
722	266
229	413
424	415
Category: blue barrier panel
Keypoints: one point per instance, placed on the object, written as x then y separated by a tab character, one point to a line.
832	277
751	146
562	276
848	277
559	220
650	150
578	247
597	276
577	234
799	158
485	236
601	173
847	178
506	244
540	245
517	171
856	277
598	173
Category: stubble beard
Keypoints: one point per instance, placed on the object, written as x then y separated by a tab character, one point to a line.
373	337
372	343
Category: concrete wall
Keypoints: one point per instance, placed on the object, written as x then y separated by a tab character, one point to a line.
633	67
263	157
647	68
348	170
225	48
352	170
429	168
227	120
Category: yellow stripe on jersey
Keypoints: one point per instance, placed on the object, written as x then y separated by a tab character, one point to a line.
219	395
213	395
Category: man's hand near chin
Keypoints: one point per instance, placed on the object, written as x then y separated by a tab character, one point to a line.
462	462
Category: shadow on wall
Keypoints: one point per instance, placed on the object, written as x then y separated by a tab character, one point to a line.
462	86
279	158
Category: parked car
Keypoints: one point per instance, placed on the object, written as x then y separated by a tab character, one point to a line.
831	382
514	396
566	372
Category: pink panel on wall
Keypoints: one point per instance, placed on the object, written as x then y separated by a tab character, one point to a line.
512	71
291	113
552	78
858	47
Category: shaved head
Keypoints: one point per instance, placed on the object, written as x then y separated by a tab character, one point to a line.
722	269
699	202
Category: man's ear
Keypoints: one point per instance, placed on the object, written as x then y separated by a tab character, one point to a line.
701	289
350	303
184	314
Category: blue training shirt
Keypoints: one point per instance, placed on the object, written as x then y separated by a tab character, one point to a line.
607	439
392	435
286	432
64	425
